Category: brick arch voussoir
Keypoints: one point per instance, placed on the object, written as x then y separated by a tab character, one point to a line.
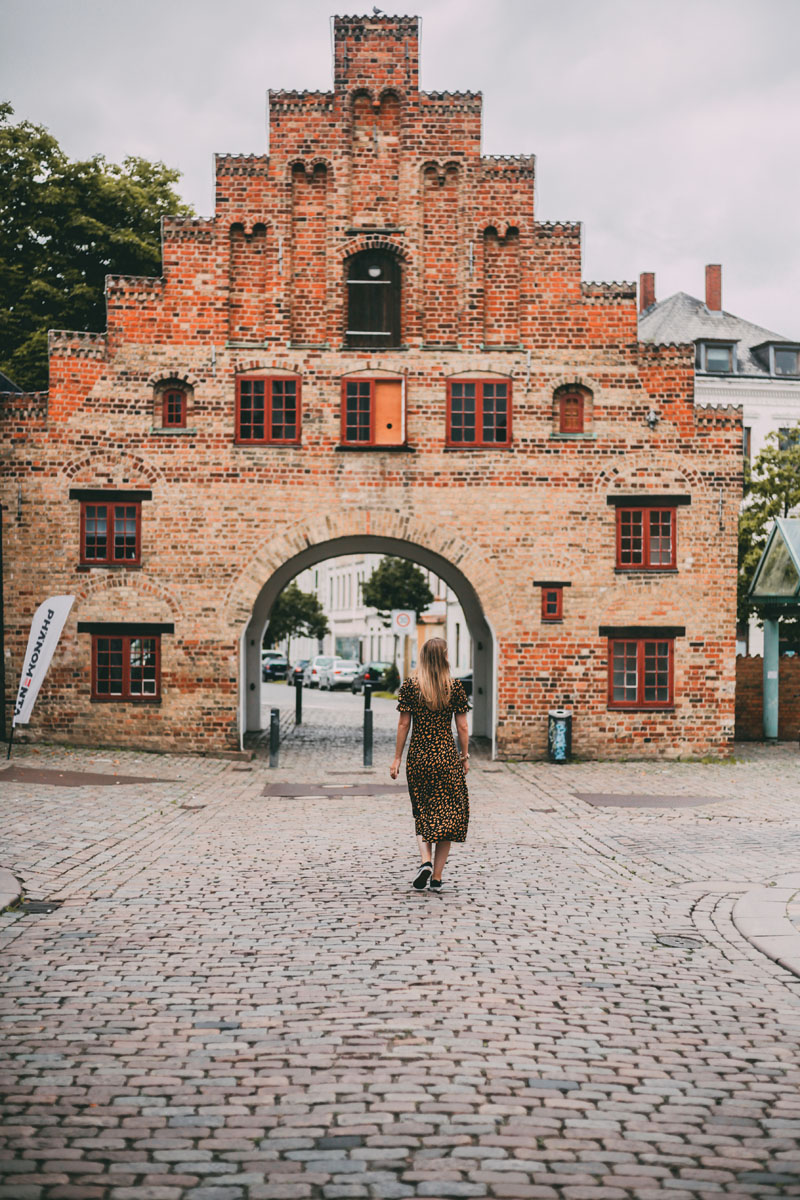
172	372
123	463
100	584
248	223
471	559
640	475
573	379
375	241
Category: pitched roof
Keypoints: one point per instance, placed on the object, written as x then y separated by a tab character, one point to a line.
683	318
8	385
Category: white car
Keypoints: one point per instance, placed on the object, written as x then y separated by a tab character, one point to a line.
340	673
311	674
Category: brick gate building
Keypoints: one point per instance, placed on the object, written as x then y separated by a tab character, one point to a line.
373	345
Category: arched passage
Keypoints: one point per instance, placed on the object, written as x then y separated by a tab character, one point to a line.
483	641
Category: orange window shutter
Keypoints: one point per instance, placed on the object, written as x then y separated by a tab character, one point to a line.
389	412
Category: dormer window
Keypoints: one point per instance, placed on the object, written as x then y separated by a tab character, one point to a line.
717	358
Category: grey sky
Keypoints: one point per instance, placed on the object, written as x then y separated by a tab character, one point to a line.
669	127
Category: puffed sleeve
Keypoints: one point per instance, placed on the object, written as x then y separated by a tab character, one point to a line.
458	699
405	698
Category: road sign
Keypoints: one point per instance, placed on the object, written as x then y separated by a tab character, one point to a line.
404	620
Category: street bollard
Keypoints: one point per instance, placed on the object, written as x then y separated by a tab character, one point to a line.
367	724
274	735
298	700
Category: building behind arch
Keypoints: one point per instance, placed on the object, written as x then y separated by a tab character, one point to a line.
373	337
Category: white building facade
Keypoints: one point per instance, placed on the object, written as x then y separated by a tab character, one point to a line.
358	632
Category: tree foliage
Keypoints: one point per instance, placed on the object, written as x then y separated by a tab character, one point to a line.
772	489
294	614
396	583
64	226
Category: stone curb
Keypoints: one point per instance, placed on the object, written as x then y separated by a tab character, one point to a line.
10	889
760	916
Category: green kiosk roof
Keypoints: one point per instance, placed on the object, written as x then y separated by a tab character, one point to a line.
777	577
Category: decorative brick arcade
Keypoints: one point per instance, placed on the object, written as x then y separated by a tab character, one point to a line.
373	344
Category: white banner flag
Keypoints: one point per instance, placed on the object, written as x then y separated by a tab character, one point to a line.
45	632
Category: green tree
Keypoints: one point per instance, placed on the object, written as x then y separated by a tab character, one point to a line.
772	489
64	226
295	613
396	583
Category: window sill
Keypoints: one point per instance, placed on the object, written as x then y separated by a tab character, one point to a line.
518	349
347	448
240	445
640	708
457	449
372	349
109	566
180	430
573	437
646	571
552	620
143	700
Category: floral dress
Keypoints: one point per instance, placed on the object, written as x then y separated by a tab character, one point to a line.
435	774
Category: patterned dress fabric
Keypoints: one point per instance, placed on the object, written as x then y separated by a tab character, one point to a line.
436	783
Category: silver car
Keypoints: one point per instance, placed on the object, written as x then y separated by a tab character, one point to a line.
311	675
340	673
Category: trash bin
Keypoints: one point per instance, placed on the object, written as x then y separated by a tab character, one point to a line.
559	735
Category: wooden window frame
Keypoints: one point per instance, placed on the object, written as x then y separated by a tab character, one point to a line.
479	443
581	419
640	704
110	560
268	440
125	696
166	421
553	590
371	442
645	512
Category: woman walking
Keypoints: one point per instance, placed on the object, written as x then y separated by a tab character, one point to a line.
435	770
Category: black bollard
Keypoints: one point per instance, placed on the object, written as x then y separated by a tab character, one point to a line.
298	700
274	735
367	724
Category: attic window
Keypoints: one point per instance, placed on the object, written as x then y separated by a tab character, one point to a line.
373	300
786	360
717	358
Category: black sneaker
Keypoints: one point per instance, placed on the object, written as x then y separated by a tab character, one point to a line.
436	885
422	876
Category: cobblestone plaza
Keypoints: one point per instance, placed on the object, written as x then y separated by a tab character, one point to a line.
239	996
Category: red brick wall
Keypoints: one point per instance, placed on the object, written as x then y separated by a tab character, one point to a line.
750	699
487	291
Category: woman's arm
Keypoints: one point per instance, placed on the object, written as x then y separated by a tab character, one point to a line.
403	726
462	729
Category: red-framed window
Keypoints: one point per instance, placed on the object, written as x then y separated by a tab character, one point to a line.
111	533
646	538
268	410
641	673
126	667
173	408
372	412
552	603
570	413
478	412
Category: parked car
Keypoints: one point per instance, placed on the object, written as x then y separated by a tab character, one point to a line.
297	671
466	680
274	665
375	673
340	673
311	675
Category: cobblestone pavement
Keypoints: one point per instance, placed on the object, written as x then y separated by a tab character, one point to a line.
241	998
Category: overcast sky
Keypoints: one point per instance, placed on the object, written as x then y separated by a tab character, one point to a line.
669	127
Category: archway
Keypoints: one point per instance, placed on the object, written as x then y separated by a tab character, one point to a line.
484	674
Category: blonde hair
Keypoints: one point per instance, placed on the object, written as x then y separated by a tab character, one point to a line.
433	673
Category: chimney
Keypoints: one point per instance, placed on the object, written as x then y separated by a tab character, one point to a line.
647	290
714	287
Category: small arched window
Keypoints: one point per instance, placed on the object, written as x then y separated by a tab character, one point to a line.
173	411
373	300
